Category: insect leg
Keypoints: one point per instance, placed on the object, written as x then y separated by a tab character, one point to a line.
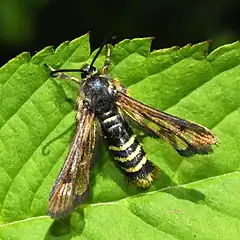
107	60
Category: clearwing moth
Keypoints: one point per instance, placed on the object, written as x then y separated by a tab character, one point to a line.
103	102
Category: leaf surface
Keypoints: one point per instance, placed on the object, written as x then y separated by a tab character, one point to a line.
195	198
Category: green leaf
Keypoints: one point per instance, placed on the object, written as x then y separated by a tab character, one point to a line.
195	198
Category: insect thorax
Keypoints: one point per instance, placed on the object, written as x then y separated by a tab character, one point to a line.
99	94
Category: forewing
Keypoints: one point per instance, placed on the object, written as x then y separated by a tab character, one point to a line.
186	137
83	174
65	192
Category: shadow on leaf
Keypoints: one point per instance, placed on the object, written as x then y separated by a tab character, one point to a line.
68	227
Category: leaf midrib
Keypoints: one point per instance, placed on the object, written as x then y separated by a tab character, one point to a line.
137	196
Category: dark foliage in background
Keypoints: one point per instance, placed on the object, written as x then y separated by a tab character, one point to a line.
31	25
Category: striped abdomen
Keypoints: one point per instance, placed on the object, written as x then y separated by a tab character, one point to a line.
126	150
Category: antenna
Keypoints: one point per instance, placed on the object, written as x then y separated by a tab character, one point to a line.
101	48
91	65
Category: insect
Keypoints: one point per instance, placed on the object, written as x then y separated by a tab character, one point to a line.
103	103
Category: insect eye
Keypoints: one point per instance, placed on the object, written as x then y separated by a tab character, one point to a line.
91	69
84	74
87	70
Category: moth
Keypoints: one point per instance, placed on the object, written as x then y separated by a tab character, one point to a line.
102	102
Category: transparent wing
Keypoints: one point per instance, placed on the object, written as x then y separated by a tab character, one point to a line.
82	180
73	180
186	137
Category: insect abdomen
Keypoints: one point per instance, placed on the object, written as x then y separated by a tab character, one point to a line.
127	151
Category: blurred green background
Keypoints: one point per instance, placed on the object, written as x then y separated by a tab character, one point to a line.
30	25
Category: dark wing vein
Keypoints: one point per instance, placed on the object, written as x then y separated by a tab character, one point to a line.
64	192
186	137
83	174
